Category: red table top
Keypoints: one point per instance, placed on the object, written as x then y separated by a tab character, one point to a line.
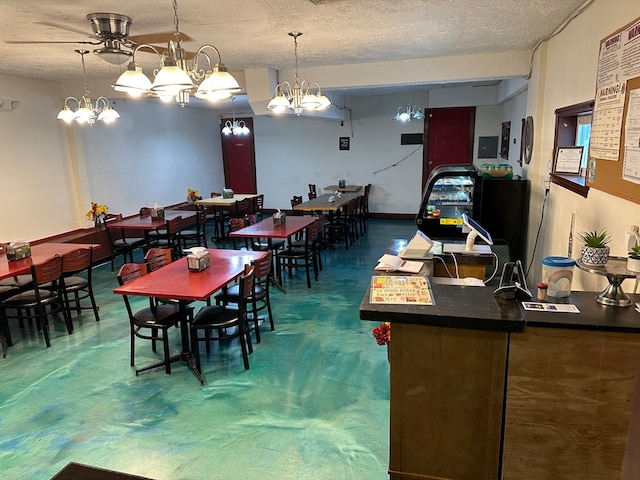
148	223
176	281
39	253
266	228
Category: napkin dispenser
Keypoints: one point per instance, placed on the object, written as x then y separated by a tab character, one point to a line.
157	212
279	218
18	250
227	193
342	183
198	259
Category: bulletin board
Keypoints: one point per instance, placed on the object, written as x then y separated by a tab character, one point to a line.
613	166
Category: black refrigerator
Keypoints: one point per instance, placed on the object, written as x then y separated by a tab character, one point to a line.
499	204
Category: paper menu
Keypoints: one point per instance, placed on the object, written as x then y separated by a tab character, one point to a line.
400	290
393	263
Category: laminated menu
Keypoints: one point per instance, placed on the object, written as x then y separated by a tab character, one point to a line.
400	290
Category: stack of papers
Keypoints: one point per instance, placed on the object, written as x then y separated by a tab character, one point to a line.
393	263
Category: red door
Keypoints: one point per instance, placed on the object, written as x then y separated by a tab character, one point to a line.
448	134
239	160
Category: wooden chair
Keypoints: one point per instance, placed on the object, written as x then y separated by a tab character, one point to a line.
341	227
120	245
77	267
300	256
258	202
228	323
296	200
32	304
260	299
172	238
196	237
150	323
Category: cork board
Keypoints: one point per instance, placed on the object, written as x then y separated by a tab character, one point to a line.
606	174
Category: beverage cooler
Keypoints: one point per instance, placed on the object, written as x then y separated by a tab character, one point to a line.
492	197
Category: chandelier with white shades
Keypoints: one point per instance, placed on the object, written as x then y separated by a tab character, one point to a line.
408	113
300	96
85	111
175	78
235	127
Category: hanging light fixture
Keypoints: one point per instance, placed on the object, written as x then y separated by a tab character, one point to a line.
301	95
235	127
408	113
175	78
86	112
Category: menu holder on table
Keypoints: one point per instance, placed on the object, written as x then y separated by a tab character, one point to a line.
400	290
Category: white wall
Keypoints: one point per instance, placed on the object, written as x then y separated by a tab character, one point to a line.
564	74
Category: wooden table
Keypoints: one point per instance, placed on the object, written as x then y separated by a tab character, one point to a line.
39	253
322	203
225	202
176	281
266	229
346	188
149	223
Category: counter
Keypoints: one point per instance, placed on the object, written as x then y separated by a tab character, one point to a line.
483	390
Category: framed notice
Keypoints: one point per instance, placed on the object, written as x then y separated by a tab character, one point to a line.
344	143
568	160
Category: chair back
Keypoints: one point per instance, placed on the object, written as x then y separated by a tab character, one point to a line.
130	272
77	261
156	258
312	189
246	284
312	195
215	194
174	225
108	218
244	207
236	224
296	200
145	212
263	266
48	271
258	201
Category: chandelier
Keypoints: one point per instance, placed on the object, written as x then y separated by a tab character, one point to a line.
85	111
408	113
235	127
301	95
175	78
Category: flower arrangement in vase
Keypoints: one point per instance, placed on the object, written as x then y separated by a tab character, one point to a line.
633	259
382	334
595	250
192	195
96	212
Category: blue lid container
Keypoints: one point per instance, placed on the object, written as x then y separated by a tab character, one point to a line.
558	262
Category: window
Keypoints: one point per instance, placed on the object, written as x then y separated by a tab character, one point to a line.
573	128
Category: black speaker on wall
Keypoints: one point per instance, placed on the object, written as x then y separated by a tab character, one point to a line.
411	139
488	147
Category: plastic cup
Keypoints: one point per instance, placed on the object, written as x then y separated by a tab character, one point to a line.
557	273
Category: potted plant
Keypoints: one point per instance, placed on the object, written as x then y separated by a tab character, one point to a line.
633	260
595	250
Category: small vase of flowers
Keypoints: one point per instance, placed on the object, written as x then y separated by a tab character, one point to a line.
382	334
96	213
192	196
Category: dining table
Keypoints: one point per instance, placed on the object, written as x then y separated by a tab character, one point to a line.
39	253
346	188
176	281
327	202
268	229
220	201
148	222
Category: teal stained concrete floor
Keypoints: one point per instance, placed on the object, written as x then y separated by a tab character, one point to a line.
314	405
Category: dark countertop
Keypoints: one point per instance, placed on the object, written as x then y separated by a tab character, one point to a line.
592	316
473	308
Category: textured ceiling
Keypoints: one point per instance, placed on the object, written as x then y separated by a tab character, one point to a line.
253	33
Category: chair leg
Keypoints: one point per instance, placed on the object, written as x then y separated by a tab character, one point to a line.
133	337
195	347
167	358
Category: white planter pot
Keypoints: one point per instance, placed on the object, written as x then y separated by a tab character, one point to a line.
594	255
633	264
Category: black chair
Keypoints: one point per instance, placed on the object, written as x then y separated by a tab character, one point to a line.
155	319
296	256
196	237
77	267
341	227
258	205
260	299
296	200
32	304
228	323
171	238
120	245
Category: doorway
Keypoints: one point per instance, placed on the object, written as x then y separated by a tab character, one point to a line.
239	159
448	138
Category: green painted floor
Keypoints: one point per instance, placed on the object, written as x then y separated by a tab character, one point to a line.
314	405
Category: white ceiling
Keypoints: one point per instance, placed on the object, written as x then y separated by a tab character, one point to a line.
253	33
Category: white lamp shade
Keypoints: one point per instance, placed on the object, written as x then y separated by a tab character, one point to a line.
310	101
170	80
213	96
404	117
227	129
219	81
279	103
418	115
66	114
84	115
108	115
324	102
133	82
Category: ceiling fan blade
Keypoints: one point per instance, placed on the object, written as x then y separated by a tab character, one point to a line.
160	37
65	27
28	42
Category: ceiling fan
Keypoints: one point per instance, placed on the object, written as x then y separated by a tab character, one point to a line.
111	30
